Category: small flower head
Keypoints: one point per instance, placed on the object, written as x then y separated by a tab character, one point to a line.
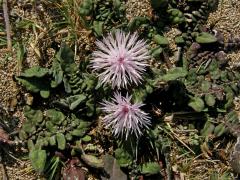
120	59
123	117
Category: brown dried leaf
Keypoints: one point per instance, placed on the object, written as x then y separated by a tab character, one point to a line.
4	137
72	171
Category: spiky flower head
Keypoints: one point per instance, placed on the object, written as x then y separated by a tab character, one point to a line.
123	117
120	59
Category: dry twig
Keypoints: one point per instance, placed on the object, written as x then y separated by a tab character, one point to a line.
7	24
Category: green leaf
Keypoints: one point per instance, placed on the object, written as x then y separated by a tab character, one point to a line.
30	145
232	117
210	100
22	135
61	141
35	71
28	127
98	27
66	58
197	104
67	86
124	159
68	137
35	116
116	4
86	138
86	7
84	124
45	94
75	100
33	84
90	108
150	168
157	51
92	161
21	53
229	97
174	73
52	140
50	127
179	40
78	132
205	38
205	86
160	40
219	130
57	73
136	22
38	159
207	129
54	116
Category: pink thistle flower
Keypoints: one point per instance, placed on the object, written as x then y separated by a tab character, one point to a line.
120	59
123	117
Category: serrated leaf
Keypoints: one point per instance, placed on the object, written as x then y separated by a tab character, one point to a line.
75	100
35	71
210	100
90	108
38	159
67	86
92	161
197	104
61	141
57	73
150	168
